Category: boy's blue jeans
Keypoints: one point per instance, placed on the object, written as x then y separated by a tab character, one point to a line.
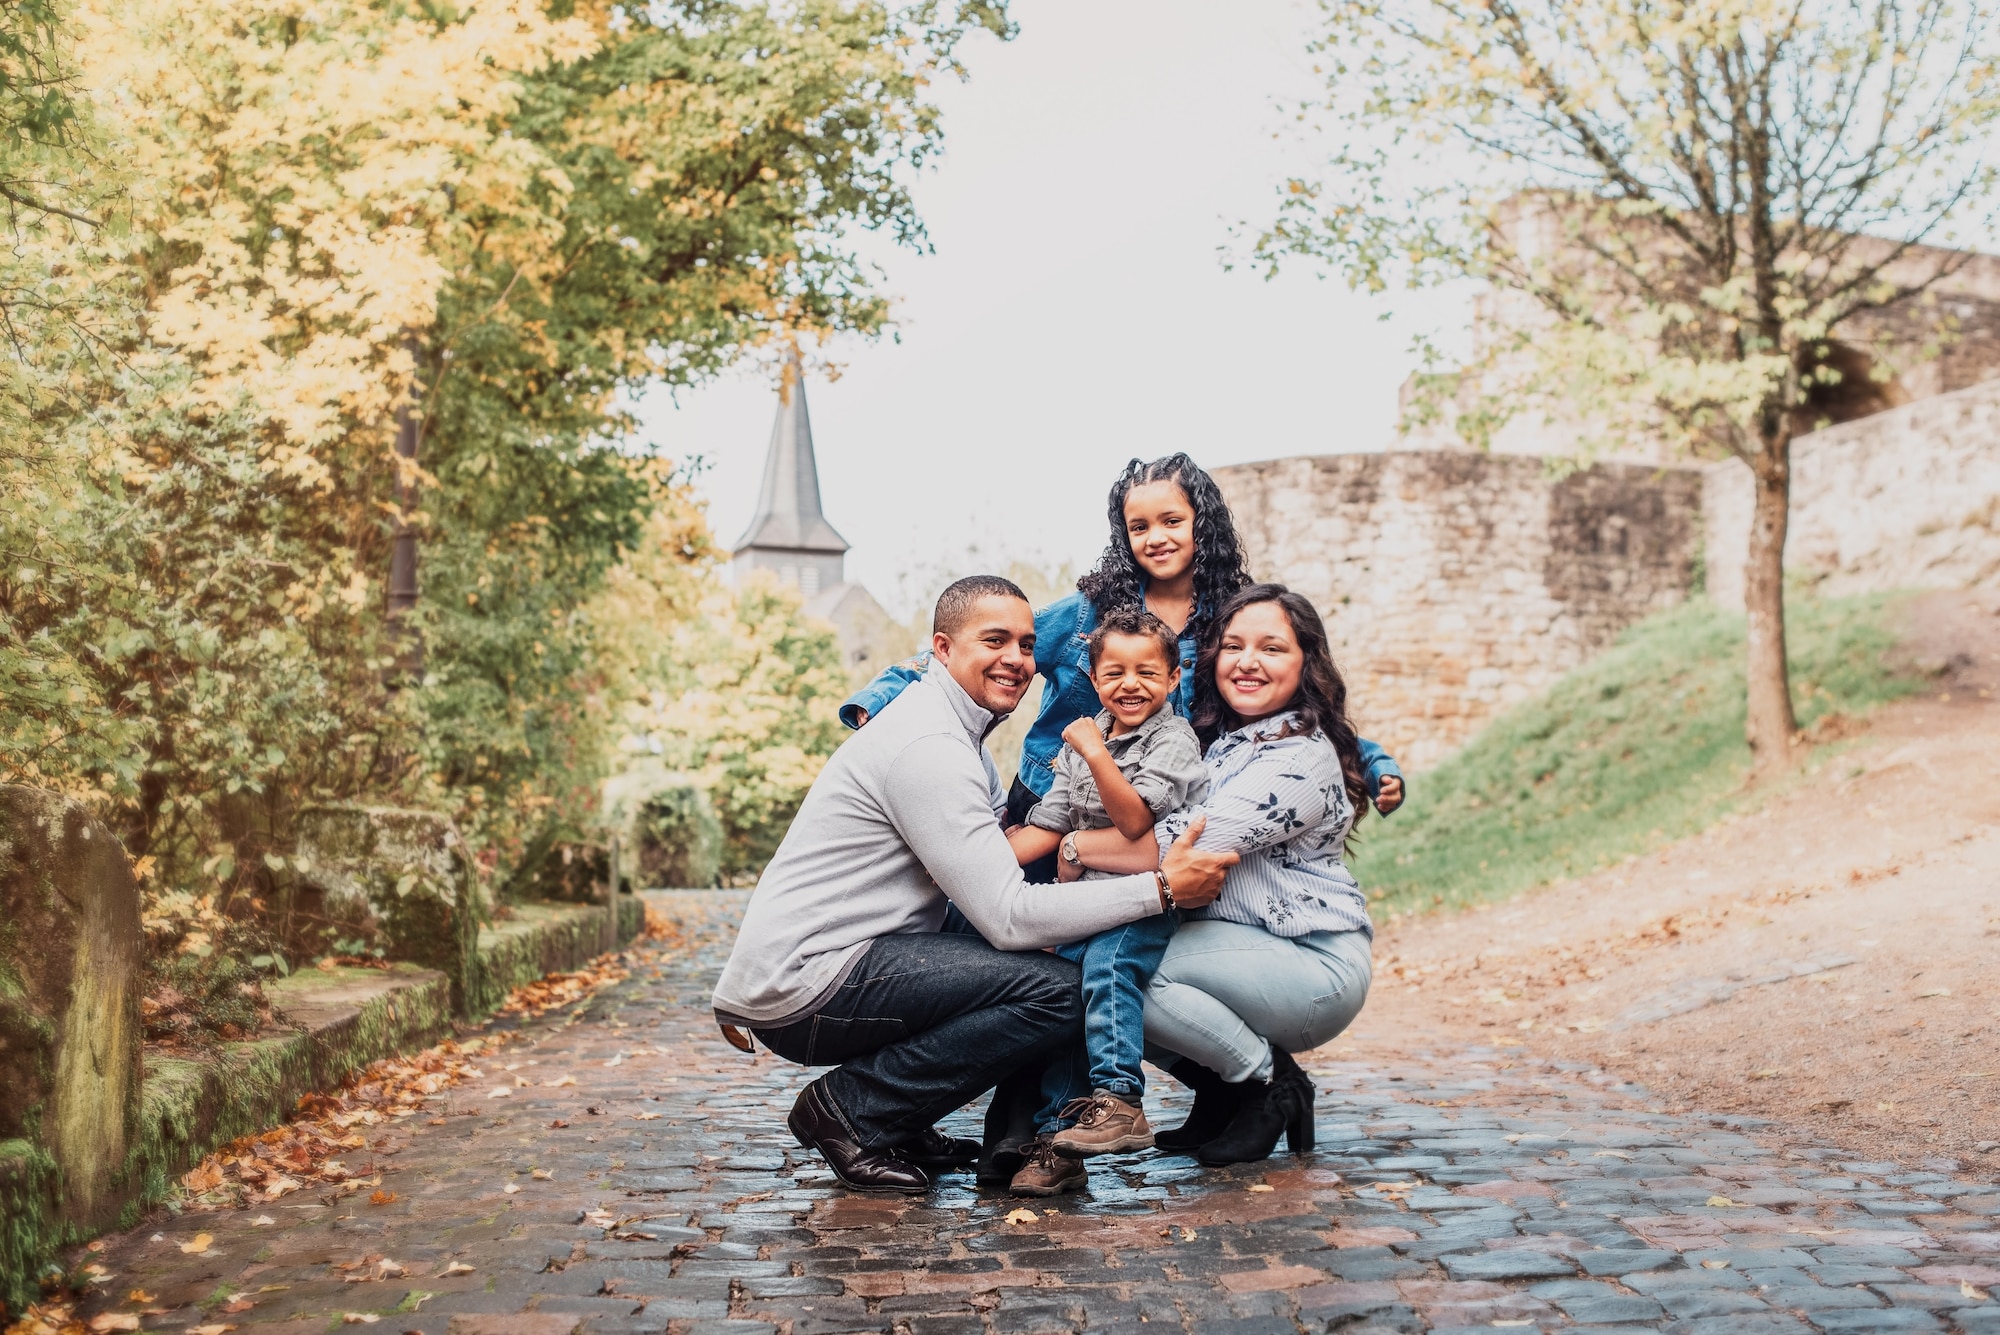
1117	966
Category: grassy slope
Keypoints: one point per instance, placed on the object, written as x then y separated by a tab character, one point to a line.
1640	746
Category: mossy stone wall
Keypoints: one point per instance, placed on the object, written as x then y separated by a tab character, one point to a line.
69	1024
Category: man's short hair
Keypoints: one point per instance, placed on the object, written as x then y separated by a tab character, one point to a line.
1134	621
954	605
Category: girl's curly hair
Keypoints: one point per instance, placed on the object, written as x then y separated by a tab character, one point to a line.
1219	568
1321	701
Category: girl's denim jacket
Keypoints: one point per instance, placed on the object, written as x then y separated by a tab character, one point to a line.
1063	659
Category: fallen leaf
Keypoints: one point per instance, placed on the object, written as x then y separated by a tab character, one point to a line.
141	1296
1022	1217
455	1268
262	1221
1764	1075
1965	1290
1715	1265
511	1188
197	1245
209	1330
561	1082
541	1175
235	1305
1188	1235
105	1322
204	1177
1262	1186
498	1092
558	1124
1934	992
1722	1202
381	1197
435	1121
594	1110
647	1117
1046	1213
359	1318
1626	1155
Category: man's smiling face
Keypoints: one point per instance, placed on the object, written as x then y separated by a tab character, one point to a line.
991	654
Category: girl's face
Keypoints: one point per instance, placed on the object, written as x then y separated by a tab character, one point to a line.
1258	669
1159	523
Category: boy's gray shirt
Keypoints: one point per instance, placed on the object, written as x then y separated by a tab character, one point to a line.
1161	759
899	822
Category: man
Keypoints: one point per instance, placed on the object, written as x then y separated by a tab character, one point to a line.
840	959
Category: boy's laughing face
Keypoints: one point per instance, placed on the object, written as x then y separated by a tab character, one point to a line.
1133	678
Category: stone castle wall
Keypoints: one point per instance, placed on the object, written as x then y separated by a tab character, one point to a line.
1456	584
1906	499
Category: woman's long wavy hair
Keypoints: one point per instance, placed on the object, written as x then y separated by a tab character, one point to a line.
1321	700
1219	568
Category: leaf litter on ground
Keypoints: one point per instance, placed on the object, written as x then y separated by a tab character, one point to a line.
307	1150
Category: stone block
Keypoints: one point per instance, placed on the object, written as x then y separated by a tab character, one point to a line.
70	957
400	878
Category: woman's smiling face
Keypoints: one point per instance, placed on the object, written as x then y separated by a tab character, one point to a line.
1258	667
1159	523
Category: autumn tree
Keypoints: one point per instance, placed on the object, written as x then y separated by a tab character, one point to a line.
293	227
1686	207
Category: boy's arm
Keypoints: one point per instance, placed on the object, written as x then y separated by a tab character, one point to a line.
1030	842
1128	811
1385	780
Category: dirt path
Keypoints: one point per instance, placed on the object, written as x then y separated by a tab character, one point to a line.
1831	961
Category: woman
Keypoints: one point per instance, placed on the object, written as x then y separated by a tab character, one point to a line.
1174	549
1280	962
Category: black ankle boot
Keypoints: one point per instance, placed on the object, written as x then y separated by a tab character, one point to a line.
1215	1102
1280	1106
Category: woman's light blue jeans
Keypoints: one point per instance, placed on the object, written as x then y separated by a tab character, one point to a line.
1226	993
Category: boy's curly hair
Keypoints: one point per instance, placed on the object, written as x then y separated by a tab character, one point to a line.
1219	567
1134	621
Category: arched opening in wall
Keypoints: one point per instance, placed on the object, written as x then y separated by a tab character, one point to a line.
1854	391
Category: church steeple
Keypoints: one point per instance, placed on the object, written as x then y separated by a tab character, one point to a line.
789	534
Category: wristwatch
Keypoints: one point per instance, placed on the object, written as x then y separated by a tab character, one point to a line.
1068	850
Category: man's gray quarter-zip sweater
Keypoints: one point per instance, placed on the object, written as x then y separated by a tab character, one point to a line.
899	822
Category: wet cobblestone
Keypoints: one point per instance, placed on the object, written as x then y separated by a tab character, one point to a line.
1457	1192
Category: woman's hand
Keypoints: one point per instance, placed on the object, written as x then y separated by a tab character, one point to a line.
1194	875
1067	871
1389	795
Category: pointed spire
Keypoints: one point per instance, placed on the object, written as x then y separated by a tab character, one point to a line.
788	516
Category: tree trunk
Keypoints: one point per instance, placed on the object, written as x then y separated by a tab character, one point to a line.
1769	722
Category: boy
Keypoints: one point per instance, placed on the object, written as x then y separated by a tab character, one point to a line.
1136	762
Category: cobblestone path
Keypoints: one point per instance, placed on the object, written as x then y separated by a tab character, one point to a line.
1455	1192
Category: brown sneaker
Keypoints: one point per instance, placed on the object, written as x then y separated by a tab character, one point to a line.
1047	1173
1105	1124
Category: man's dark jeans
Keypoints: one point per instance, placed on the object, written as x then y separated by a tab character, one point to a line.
927	1022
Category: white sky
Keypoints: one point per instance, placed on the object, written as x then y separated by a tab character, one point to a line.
1075	313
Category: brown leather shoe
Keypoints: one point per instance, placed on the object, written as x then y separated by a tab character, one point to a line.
1047	1173
1105	1124
819	1124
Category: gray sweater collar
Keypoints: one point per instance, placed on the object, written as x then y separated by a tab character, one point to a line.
978	720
